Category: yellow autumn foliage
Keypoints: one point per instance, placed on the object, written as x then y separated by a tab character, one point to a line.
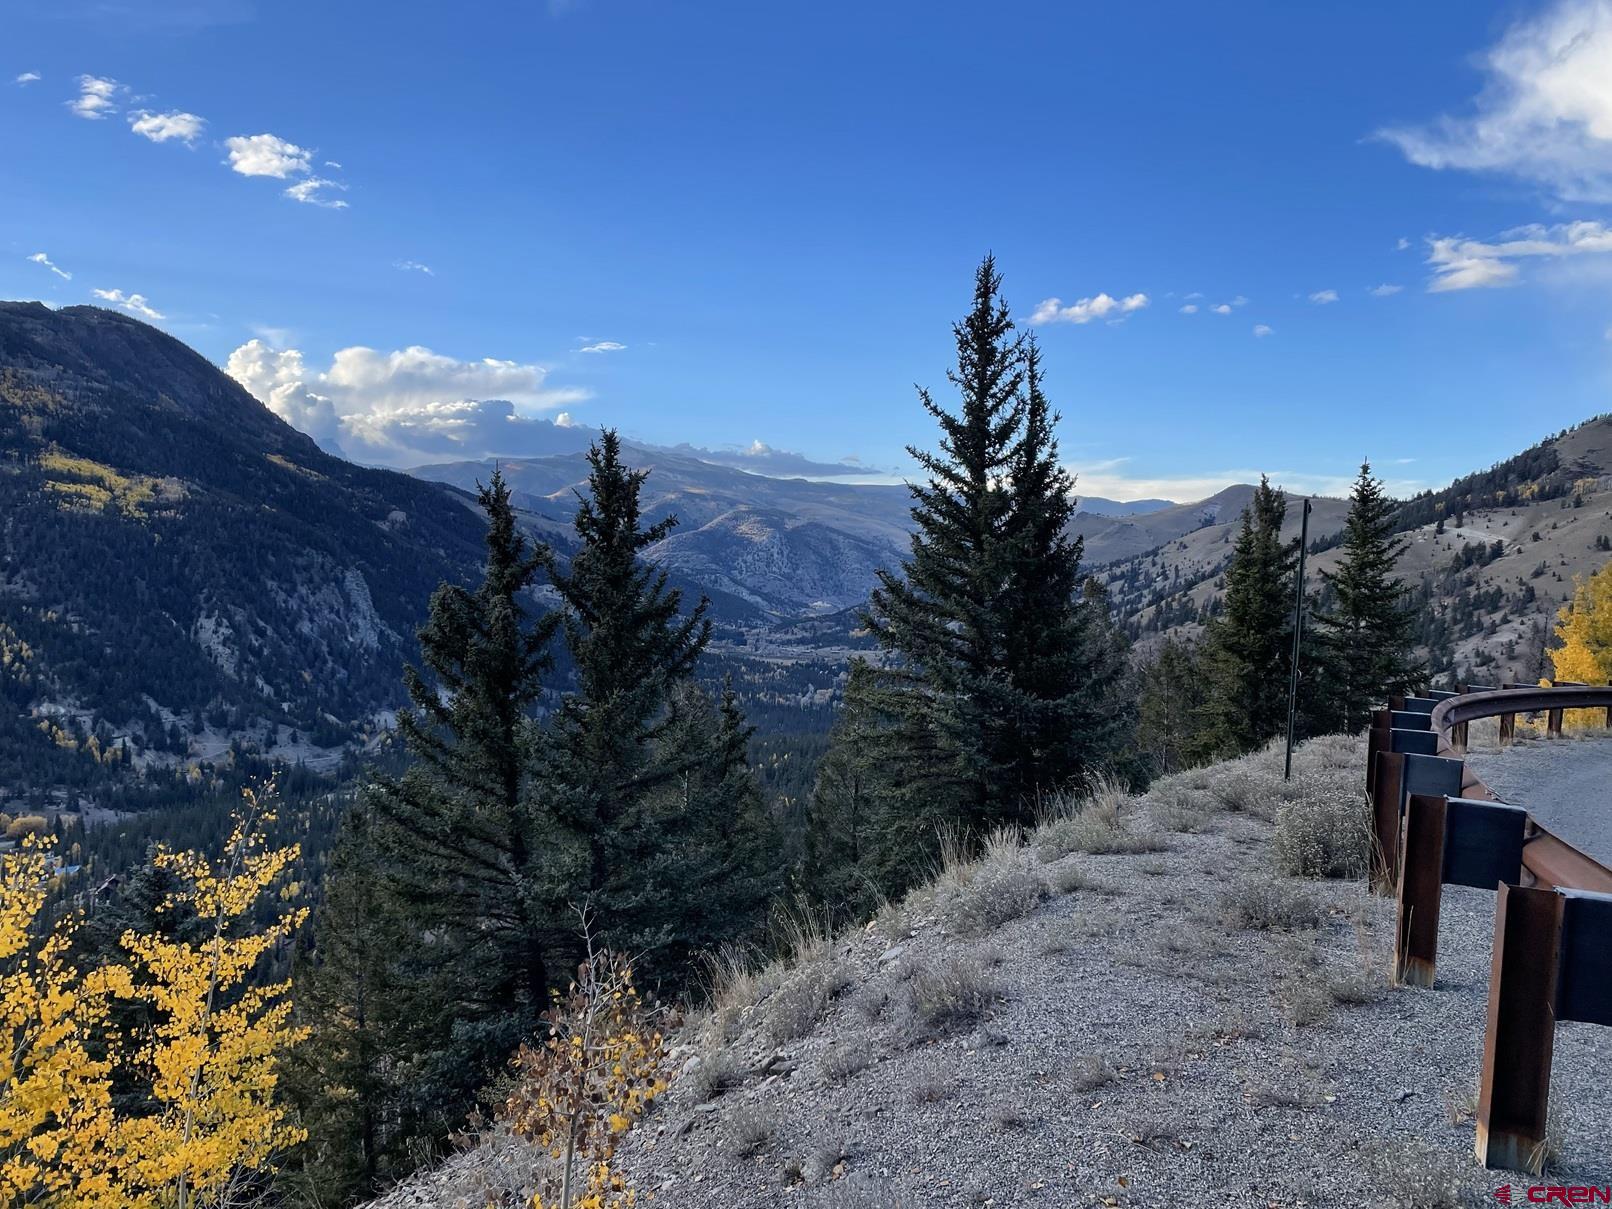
209	1065
587	1083
1584	627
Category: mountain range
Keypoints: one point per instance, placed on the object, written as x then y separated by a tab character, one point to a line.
180	569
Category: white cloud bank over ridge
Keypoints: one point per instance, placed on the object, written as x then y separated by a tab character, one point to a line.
1110	481
407	406
1103	306
1545	112
136	304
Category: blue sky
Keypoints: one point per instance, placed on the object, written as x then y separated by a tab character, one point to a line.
730	223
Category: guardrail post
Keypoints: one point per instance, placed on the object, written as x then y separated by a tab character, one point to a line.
1421	879
1553	724
1514	1093
1508	725
1385	795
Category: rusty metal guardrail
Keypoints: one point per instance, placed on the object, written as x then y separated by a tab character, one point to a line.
1437	824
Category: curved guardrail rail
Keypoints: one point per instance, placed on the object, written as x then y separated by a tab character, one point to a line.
1437	824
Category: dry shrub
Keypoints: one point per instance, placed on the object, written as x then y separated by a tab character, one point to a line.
1090	1072
845	1061
795	1010
1263	904
1323	834
747	1131
945	996
718	1073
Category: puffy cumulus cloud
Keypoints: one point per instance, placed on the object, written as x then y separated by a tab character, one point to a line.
1545	112
1385	290
1190	308
167	127
27	77
267	155
602	346
1103	306
1223	308
135	304
1261	330
410	405
1459	263
41	259
1322	297
278	379
314	192
97	97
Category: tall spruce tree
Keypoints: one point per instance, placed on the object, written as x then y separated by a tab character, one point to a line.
349	1078
462	850
1063	660
603	755
945	618
1248	646
1170	705
1366	636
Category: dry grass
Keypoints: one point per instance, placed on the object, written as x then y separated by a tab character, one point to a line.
1090	1072
1093	825
1322	831
977	897
748	1131
717	1074
845	1061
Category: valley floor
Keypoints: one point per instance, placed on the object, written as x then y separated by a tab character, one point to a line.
1174	1025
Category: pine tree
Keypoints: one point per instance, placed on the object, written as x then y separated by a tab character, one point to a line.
1248	646
462	850
1367	635
945	617
602	755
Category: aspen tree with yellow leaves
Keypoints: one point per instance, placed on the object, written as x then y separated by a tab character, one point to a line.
208	1122
1584	626
588	1082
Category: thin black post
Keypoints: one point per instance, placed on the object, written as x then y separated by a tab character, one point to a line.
1298	637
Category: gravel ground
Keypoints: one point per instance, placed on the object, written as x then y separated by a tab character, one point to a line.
1139	1048
1566	784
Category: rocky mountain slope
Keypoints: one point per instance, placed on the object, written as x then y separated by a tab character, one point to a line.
1490	557
1140	1007
178	565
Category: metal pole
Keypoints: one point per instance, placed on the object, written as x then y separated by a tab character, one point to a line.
1298	636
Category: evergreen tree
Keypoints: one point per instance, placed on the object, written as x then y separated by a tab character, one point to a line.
1249	645
462	851
1170	705
348	1078
1367	635
945	617
603	755
1063	661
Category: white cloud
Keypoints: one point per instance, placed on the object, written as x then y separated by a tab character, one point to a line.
414	266
1111	481
41	258
602	346
1223	308
96	97
27	77
311	192
1191	308
1384	290
1464	264
1239	301
1402	245
1545	111
266	155
1261	330
137	304
163	127
1322	297
1195	294
407	406
1052	310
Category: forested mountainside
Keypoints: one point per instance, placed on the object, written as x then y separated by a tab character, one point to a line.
177	564
1490	558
